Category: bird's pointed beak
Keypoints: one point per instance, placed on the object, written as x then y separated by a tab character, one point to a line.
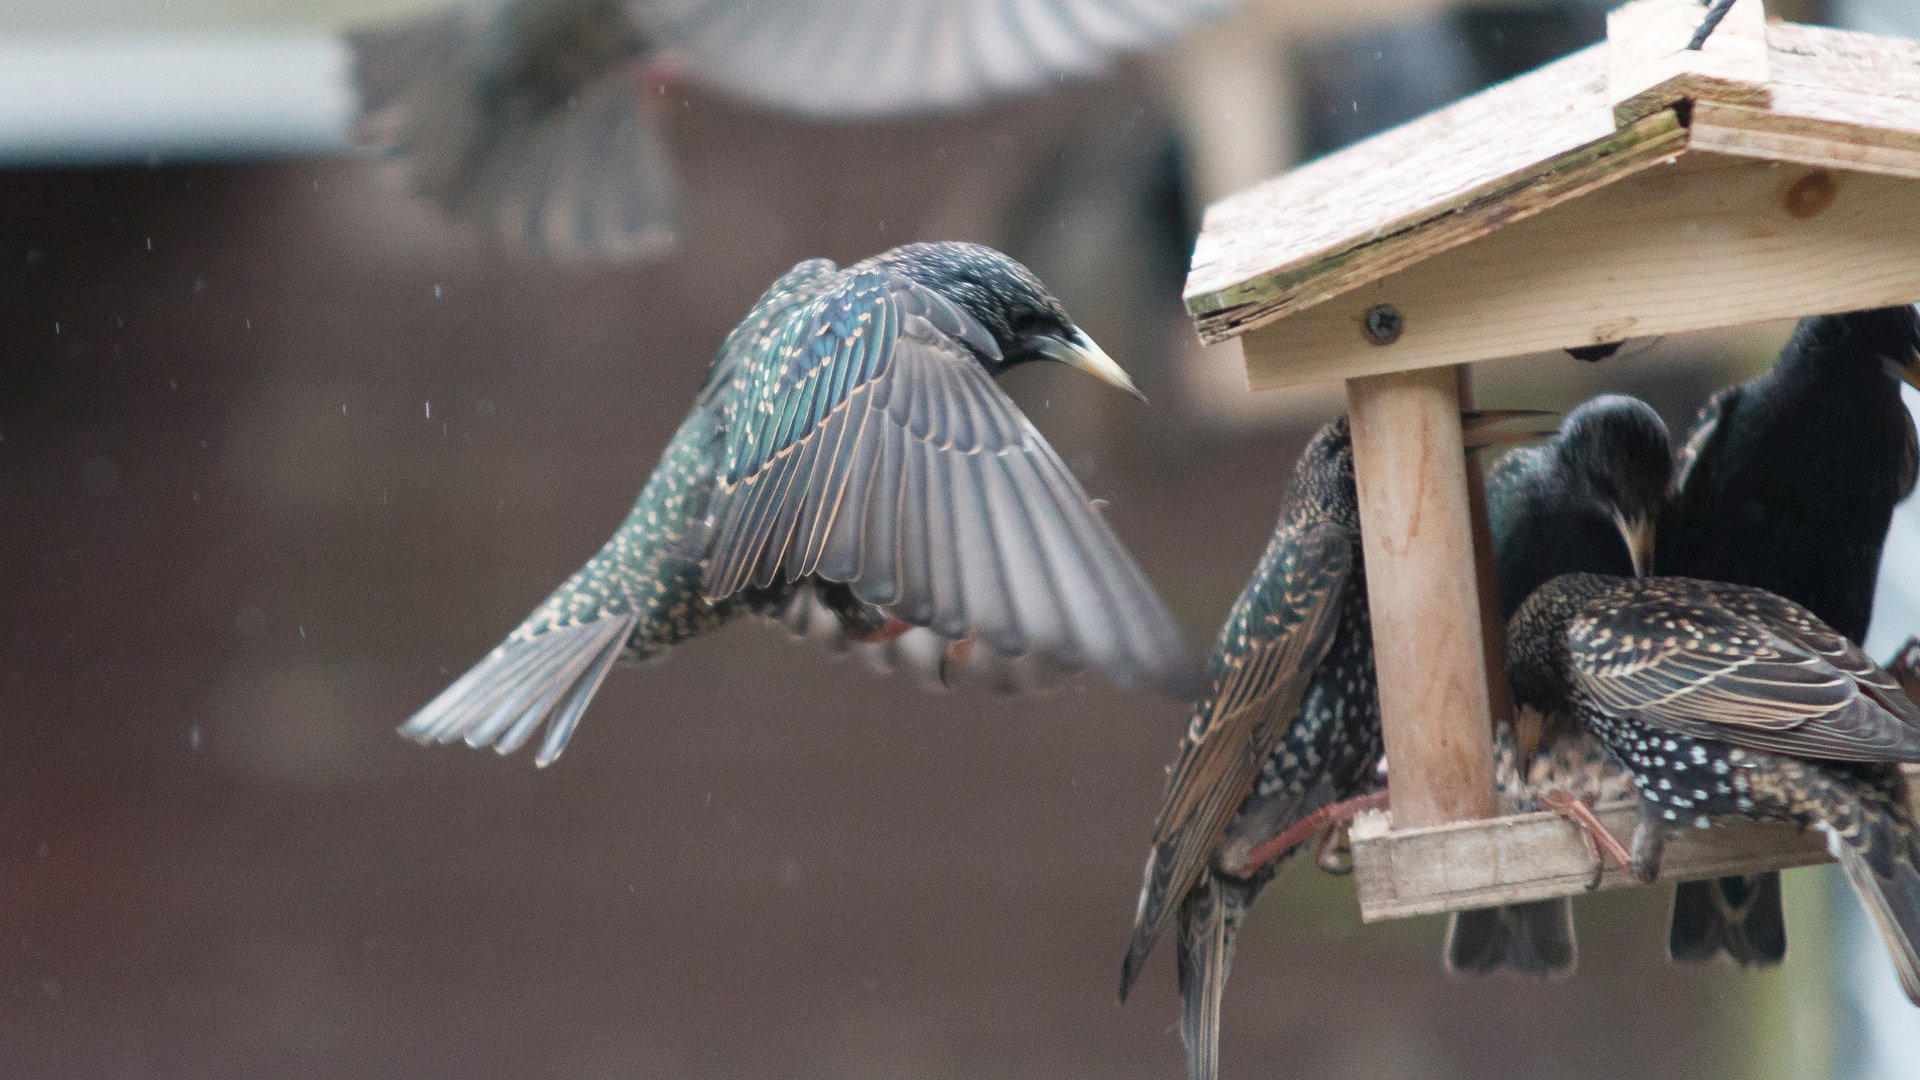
1476	425
1638	533
1080	351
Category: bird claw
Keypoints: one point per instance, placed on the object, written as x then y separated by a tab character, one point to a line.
1334	855
1599	840
956	656
1301	831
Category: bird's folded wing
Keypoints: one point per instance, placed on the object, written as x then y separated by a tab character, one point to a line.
1238	724
856	57
873	448
1743	670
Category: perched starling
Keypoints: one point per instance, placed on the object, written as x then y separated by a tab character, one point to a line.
850	443
526	116
1585	500
1788	484
1726	701
1289	724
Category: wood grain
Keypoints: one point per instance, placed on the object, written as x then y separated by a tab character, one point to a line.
1782	93
1650	68
1710	241
1536	856
1410	469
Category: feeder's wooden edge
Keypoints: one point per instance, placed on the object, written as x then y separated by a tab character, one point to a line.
1538	856
1832	99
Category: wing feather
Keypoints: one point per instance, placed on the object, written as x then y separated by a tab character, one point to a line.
1743	666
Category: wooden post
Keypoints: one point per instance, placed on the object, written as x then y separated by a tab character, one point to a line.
1410	469
1493	629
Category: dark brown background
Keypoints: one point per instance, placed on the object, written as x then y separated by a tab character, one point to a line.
238	551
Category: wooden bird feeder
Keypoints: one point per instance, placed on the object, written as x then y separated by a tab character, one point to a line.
1634	188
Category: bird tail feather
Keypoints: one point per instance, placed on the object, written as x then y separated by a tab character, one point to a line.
505	698
1533	938
1209	920
542	149
1740	916
1881	858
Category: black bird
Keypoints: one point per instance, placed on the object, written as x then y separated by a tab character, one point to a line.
1788	483
1585	500
530	118
1726	701
1289	725
849	446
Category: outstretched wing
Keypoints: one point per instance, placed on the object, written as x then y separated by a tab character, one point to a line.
849	58
521	118
1238	724
869	445
1746	667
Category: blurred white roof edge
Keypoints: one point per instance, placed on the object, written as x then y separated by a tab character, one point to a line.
118	99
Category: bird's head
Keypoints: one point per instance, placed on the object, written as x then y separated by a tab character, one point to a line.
1026	321
1322	487
1887	339
1619	458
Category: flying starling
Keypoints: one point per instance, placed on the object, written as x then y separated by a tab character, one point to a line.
1289	725
1726	701
1788	484
849	447
1585	500
530	118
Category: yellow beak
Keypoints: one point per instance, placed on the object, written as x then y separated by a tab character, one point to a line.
1638	533
1080	351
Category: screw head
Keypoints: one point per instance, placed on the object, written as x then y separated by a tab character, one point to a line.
1383	324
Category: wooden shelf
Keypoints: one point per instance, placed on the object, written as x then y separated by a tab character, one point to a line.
1429	869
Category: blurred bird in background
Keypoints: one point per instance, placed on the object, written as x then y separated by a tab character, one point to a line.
1788	483
1726	701
531	118
1585	500
849	447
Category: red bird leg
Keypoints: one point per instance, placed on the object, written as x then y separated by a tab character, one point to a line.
888	631
1303	830
1335	853
956	656
1597	836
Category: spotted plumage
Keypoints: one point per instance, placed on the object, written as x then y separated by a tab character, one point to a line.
1788	484
1289	724
537	121
1584	500
848	450
1725	701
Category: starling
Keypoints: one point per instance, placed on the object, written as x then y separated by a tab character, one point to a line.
849	448
1726	701
1289	725
1788	484
529	117
1585	500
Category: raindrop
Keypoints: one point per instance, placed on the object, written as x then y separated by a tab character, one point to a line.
429	406
193	739
436	292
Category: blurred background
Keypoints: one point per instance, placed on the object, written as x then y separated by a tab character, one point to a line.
282	451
